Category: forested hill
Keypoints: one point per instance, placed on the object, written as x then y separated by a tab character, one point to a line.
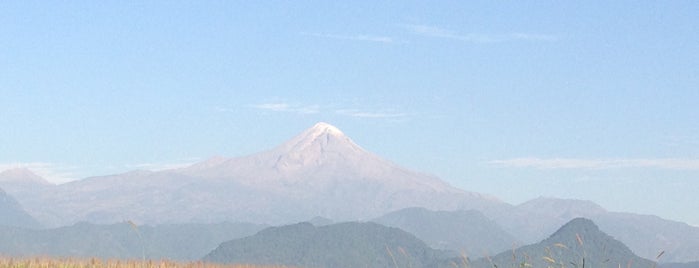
339	245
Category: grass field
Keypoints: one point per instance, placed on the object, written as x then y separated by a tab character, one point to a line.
46	262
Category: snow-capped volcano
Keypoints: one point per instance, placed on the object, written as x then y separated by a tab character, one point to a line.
318	145
320	155
320	172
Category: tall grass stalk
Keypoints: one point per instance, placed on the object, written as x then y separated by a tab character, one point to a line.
140	238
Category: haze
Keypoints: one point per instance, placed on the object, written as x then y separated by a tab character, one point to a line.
593	101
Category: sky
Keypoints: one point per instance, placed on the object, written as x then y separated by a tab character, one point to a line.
518	99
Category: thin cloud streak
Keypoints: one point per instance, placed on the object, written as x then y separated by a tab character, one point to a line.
283	107
288	108
365	114
361	37
165	165
432	31
574	163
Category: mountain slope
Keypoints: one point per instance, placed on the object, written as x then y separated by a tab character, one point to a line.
468	232
578	243
320	172
22	181
649	235
340	245
12	214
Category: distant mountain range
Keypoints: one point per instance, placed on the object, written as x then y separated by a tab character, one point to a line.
328	245
183	242
322	174
578	243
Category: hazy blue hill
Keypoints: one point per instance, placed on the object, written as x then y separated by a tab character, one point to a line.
649	235
465	231
339	245
577	241
176	242
12	214
646	235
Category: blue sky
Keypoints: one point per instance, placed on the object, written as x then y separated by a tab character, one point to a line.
590	100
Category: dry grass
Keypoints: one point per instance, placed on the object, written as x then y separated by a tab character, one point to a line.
45	262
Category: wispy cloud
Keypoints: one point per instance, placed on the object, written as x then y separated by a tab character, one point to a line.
576	163
158	166
342	110
284	107
370	114
359	37
432	31
52	172
288	108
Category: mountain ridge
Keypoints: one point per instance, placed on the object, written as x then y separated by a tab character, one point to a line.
181	242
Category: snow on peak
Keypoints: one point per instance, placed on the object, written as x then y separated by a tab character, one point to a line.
322	143
325	128
319	133
310	145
